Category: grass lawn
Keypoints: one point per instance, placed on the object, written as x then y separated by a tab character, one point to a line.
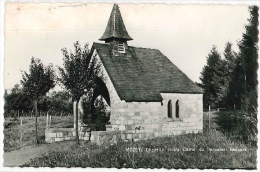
13	130
210	149
185	151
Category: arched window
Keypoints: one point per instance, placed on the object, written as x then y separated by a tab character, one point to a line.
170	109
177	110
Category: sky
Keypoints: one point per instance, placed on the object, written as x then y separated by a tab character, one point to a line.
183	33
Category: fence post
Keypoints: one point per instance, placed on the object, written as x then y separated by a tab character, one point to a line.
21	131
209	116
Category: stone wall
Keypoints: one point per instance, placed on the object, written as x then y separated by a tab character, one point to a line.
61	134
190	114
151	117
112	137
132	121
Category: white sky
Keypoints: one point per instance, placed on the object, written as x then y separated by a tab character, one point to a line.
184	33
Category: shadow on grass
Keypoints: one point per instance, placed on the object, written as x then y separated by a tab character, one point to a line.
225	121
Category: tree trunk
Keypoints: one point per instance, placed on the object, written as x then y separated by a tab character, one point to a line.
47	121
36	113
50	122
77	123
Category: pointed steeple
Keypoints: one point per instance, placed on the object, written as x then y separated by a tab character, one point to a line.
115	27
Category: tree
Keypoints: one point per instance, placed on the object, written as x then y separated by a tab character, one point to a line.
37	83
210	78
228	65
79	74
16	102
248	51
59	103
244	79
248	48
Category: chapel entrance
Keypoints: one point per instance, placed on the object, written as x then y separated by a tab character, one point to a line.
97	112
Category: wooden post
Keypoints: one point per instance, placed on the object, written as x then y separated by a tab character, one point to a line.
47	121
209	116
77	122
21	131
36	113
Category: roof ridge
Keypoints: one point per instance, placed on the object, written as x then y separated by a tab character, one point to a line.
144	48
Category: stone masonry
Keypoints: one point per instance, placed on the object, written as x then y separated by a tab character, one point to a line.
151	117
131	121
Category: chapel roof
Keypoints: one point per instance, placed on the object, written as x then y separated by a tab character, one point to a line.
115	26
144	75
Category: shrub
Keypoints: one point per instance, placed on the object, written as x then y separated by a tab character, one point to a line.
245	122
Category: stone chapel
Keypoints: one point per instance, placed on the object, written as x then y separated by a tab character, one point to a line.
148	96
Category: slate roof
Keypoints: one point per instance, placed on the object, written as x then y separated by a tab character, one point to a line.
115	26
145	75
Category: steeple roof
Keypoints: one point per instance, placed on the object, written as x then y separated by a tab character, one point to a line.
115	26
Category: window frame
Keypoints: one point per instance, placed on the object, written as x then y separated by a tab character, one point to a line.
121	47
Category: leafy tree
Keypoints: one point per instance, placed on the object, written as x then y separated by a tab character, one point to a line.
210	78
79	74
37	83
59	103
16	101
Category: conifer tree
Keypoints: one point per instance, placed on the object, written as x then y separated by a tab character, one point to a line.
244	79
210	78
228	64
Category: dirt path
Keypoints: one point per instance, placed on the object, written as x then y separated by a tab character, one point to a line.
22	156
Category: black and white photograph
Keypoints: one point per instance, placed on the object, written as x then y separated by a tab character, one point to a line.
129	85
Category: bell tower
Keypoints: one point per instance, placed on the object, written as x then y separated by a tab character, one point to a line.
116	34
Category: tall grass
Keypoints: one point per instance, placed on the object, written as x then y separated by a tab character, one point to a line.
13	130
157	153
238	125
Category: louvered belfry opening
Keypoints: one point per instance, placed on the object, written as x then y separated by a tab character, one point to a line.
116	33
121	47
